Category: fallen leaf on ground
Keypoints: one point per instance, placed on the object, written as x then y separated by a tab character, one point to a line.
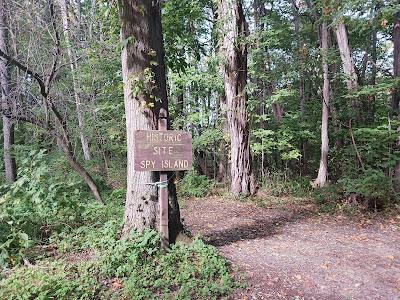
117	283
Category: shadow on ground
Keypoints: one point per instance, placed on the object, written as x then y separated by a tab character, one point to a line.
258	229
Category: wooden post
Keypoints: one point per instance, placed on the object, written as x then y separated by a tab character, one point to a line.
163	189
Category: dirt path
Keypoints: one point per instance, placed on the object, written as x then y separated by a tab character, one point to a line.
291	252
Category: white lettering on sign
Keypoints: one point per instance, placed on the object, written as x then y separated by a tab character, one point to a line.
152	136
145	164
162	150
168	150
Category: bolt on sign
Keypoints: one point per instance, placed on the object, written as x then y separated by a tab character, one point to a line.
157	150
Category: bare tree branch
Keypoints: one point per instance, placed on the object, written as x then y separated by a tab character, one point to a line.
29	118
24	68
54	68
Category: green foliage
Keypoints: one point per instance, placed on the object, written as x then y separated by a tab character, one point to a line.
373	186
207	140
278	185
100	226
94	262
138	266
185	272
328	196
383	88
194	185
136	262
270	141
184	31
98	234
195	272
375	147
56	280
34	206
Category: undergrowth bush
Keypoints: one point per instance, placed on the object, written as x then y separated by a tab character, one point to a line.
328	197
34	206
133	267
278	185
194	185
52	280
373	188
193	271
101	225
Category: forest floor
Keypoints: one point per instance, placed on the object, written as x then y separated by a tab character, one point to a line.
287	249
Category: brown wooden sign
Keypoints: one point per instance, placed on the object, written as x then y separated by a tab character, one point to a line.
169	150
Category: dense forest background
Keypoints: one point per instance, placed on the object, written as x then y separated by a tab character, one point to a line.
313	107
284	88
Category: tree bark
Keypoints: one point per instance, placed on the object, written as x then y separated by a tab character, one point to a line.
234	50
73	67
348	64
278	111
321	179
8	124
345	54
223	162
143	64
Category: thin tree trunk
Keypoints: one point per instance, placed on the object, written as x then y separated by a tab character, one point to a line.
101	145
8	124
278	111
221	113
92	18
322	177
258	13
78	12
10	165
332	107
141	19
396	93
202	163
179	104
374	56
300	55
73	67
223	159
234	51
66	147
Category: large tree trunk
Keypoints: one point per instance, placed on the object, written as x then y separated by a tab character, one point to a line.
321	179
345	54
348	64
396	94
234	50
8	125
73	67
144	55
